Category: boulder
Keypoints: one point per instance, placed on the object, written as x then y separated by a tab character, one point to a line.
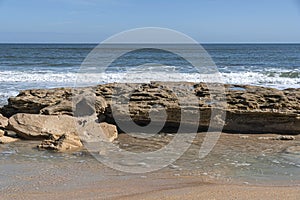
95	132
33	126
6	139
285	137
89	133
3	121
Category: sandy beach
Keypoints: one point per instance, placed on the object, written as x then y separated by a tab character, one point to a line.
169	188
221	192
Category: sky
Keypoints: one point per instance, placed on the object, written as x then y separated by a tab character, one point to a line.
206	21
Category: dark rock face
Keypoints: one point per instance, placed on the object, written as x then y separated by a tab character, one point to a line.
262	122
249	109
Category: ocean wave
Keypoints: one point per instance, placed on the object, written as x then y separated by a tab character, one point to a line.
262	79
38	76
279	80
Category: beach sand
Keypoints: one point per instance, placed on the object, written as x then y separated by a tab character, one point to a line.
222	192
183	188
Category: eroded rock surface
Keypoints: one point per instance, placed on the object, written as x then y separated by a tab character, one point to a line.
249	109
34	126
90	132
32	101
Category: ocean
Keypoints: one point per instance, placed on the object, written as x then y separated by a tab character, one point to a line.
26	66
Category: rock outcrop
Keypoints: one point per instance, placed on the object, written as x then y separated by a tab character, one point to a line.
32	101
249	109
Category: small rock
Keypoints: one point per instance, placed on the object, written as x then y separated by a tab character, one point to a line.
66	142
266	138
6	139
285	137
244	137
1	133
3	121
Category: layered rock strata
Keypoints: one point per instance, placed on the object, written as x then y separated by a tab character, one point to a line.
248	109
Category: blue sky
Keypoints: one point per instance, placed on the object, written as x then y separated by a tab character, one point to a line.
207	21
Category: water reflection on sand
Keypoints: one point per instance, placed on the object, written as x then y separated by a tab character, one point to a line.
235	159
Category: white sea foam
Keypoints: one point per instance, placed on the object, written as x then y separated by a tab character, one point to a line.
27	77
255	78
69	78
14	81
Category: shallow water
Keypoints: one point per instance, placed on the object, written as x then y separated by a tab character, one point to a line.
234	159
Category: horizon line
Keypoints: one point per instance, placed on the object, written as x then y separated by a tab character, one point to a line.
94	43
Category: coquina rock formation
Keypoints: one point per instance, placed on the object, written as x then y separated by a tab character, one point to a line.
248	109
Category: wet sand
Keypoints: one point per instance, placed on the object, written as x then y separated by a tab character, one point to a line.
222	192
182	188
239	167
